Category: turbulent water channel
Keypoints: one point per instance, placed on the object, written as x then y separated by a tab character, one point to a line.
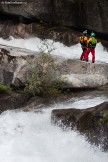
30	136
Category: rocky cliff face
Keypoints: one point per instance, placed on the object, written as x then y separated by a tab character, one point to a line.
88	14
43	31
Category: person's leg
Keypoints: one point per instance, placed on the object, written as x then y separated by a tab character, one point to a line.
93	55
82	55
87	53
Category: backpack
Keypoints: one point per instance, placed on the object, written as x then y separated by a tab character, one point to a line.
94	41
83	41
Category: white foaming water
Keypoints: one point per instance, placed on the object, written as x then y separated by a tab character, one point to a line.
30	137
72	52
82	102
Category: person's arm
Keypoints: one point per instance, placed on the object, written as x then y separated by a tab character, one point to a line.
86	41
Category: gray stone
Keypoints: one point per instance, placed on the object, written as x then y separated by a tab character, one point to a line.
15	68
87	14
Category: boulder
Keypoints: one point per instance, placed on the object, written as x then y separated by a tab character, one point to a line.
85	75
87	14
16	67
91	122
12	59
12	101
18	100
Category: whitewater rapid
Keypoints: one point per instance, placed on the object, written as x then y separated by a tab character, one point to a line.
30	136
73	52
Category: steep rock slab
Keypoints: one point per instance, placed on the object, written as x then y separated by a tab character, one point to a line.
91	122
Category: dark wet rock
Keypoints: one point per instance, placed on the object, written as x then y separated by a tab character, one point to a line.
105	44
62	34
20	101
87	14
91	122
27	103
12	101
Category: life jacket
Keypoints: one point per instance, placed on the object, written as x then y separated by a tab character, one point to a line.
83	41
92	42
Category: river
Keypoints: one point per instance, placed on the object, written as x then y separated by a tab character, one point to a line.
30	136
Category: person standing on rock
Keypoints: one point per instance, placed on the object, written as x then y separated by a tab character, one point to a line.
91	47
83	42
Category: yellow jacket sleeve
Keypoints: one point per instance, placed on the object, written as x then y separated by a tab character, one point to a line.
85	38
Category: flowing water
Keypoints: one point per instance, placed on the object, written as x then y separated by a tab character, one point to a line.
73	52
30	136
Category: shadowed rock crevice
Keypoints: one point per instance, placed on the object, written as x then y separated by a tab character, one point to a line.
15	18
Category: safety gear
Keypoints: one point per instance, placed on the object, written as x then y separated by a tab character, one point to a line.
91	47
92	42
83	41
85	32
92	34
